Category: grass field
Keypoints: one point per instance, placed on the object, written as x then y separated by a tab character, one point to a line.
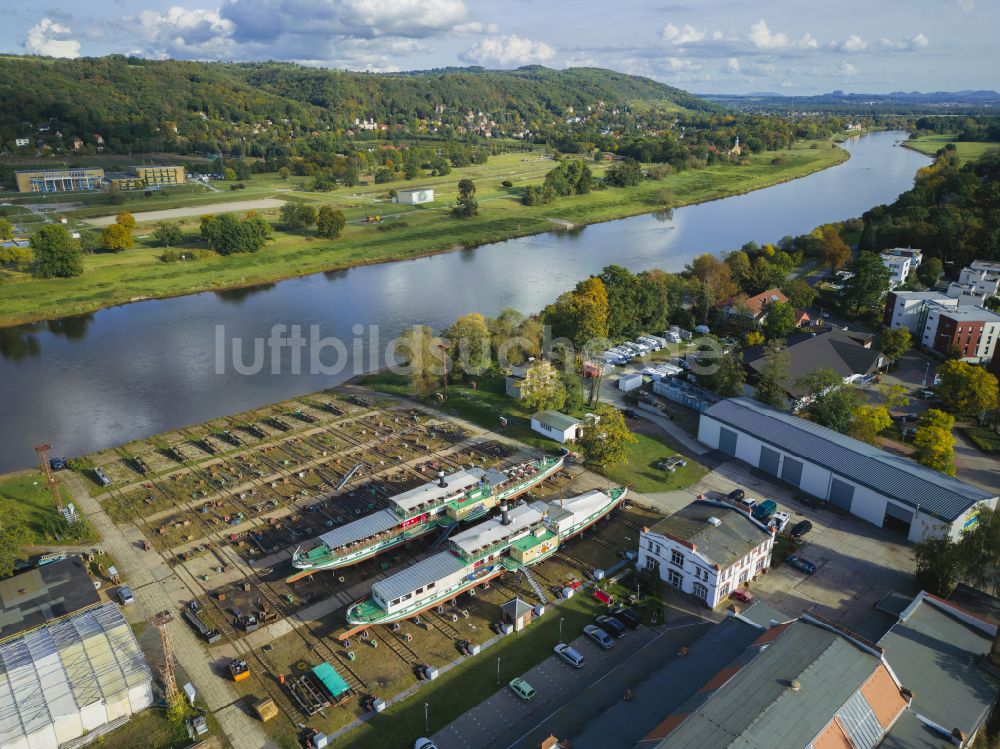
984	438
488	402
967	150
28	491
407	231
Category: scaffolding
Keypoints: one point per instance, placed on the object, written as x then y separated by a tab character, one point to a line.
160	621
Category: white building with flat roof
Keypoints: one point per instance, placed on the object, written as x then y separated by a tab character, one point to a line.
415	195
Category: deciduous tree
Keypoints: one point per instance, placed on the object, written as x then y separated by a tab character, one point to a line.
125	219
6	229
424	357
868	421
56	254
167	235
773	378
894	342
866	288
780	320
330	222
799	293
542	388
934	441
965	389
14	533
469	345
607	441
116	238
466	205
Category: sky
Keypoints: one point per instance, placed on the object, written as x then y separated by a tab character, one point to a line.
705	46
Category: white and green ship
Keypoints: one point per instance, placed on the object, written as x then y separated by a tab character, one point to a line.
461	497
521	537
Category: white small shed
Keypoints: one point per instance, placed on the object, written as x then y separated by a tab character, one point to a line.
629	382
415	196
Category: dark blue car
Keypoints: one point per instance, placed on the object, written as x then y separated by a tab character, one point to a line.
802	565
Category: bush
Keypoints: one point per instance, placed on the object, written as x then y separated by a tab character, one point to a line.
777	161
506	183
173	256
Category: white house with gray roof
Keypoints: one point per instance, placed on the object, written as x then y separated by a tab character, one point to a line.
707	549
885	489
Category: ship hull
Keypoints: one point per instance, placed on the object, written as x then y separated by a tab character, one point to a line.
307	568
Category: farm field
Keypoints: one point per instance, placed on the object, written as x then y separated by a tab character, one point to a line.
403	231
967	150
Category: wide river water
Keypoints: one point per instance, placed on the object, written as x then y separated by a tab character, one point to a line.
103	379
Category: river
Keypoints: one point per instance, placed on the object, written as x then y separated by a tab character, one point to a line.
127	372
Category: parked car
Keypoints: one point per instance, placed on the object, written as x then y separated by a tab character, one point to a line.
599	636
909	417
568	654
927	394
743	595
629	617
810	501
125	596
765	510
57	464
802	565
735	495
424	744
671	464
631	413
102	477
747	504
611	625
522	689
779	521
801	528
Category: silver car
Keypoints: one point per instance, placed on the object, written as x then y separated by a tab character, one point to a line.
568	654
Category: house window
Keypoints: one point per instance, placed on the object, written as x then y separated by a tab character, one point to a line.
675	579
430	585
760	564
724	591
700	590
650	564
418	591
677	558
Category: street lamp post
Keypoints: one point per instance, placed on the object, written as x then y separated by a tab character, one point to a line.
927	369
560	628
498	670
427	720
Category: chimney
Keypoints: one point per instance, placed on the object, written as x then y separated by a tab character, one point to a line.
505	514
794	685
441	482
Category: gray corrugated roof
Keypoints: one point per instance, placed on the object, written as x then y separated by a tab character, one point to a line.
756	709
555	419
667	687
723	544
901	479
935	655
430	570
364	527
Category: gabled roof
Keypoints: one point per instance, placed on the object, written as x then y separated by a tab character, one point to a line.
556	420
515	608
758	303
936	655
751	704
843	351
899	478
736	535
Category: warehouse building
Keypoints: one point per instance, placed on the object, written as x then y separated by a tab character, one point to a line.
885	489
68	682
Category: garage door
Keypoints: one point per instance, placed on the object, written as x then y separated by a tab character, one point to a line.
769	460
841	494
791	470
727	441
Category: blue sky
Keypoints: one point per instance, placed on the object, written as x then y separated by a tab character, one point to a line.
787	46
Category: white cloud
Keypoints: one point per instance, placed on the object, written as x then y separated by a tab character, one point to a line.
847	68
967	6
259	20
786	84
906	44
762	38
476	27
732	65
51	39
853	43
679	63
686	34
507	52
183	32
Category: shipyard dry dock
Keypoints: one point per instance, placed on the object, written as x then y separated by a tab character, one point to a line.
226	503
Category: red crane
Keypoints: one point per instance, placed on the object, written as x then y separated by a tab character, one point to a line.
51	480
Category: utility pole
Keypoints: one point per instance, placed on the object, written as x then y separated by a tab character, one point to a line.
51	481
160	621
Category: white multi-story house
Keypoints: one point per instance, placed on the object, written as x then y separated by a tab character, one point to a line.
708	549
979	280
899	266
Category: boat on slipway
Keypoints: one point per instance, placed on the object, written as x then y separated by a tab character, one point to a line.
522	536
460	497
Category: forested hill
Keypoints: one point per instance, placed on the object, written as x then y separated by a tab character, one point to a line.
140	103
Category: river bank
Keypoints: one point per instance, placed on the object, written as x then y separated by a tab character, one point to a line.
136	275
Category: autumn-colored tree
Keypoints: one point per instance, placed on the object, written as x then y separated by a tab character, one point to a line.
714	280
580	315
116	238
607	440
469	345
867	421
965	389
424	357
542	388
934	441
833	251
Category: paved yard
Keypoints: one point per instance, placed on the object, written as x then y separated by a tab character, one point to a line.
857	562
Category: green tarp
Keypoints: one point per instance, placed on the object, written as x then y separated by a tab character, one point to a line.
331	679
